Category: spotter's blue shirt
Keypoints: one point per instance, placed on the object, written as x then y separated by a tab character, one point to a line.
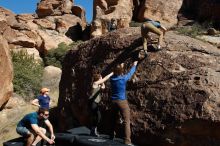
29	119
118	85
44	101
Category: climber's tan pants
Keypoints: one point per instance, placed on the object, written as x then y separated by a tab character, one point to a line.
149	27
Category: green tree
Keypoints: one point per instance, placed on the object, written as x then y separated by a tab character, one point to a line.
56	56
27	74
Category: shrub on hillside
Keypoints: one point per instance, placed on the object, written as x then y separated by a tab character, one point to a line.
27	74
195	30
55	56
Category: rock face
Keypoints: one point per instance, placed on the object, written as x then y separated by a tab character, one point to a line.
6	87
174	98
161	10
204	10
104	10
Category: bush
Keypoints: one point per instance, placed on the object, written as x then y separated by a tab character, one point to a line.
194	30
55	57
27	74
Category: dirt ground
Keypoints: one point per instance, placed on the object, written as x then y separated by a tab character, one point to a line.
9	120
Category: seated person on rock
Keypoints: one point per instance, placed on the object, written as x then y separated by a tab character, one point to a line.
154	27
29	128
112	25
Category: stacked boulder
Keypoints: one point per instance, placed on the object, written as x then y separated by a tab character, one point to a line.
42	31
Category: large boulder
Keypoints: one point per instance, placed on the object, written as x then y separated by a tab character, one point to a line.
174	97
105	10
50	40
161	10
6	87
54	7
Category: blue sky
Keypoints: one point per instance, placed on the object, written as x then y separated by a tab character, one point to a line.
29	6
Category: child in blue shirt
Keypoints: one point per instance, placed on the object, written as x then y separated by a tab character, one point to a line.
43	100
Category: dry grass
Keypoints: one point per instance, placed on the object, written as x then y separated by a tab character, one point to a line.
9	119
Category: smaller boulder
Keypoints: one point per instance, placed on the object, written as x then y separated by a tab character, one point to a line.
212	31
51	80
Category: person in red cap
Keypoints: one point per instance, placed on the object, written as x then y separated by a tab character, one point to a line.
43	100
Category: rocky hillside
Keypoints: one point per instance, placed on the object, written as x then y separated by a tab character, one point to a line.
55	22
174	95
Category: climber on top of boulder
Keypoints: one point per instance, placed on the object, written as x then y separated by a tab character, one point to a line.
154	27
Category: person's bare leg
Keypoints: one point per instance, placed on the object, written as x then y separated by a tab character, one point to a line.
144	34
30	139
163	29
38	138
144	43
143	52
160	40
